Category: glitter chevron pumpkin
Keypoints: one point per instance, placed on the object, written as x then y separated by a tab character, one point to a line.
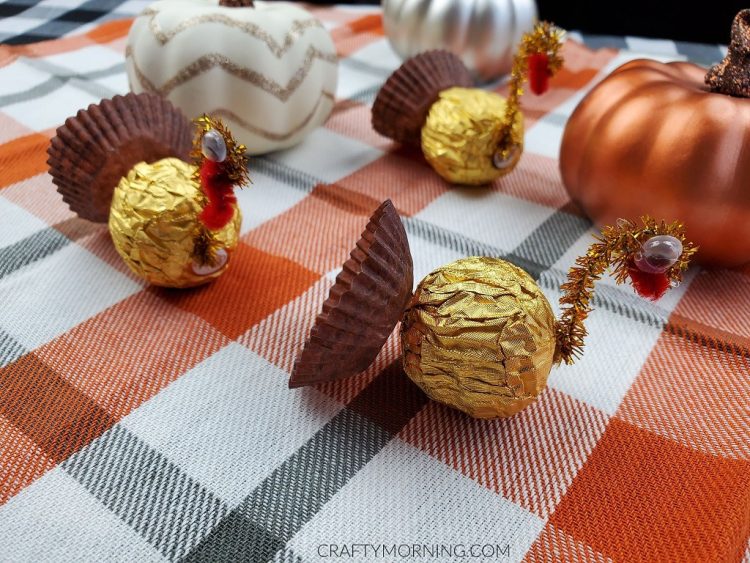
268	70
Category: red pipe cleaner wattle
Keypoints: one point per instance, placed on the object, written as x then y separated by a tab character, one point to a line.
219	191
539	73
648	285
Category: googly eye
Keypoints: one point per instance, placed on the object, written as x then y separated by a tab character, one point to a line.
658	254
213	146
208	269
505	159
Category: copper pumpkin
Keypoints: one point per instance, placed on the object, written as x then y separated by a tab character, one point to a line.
669	140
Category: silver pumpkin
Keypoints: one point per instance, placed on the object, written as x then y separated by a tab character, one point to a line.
483	33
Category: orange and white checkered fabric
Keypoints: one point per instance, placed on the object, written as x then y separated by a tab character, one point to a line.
146	424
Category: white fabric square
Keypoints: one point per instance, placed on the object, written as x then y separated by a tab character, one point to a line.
18	24
230	421
616	349
16	223
46	298
493	218
379	54
132	6
87	59
404	496
428	256
19	77
51	110
353	80
653	46
117	83
327	155
65	4
544	138
56	519
265	199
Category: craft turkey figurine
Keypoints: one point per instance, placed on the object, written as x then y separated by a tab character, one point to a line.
169	203
477	334
673	140
468	135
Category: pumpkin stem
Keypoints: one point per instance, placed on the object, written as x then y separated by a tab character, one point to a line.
732	75
237	3
541	45
618	248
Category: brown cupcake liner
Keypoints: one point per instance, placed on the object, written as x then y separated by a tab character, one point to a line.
94	149
363	306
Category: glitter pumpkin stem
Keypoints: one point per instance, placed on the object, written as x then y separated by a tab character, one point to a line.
731	76
614	249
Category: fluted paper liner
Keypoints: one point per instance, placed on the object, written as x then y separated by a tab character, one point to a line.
402	105
363	306
98	146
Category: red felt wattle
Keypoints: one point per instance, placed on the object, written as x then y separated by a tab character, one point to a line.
539	73
219	191
650	286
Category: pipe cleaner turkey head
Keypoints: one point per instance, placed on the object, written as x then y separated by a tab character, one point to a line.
127	161
477	334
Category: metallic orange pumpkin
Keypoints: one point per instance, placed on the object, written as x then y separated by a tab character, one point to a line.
652	138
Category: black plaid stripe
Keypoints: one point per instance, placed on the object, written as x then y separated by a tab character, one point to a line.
10	9
63	22
147	491
10	349
26	251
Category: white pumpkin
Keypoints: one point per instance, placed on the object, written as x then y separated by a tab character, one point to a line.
484	33
269	70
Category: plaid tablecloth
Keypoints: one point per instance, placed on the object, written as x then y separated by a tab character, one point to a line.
142	424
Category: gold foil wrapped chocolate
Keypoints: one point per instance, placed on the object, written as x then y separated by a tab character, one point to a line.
479	336
462	133
154	225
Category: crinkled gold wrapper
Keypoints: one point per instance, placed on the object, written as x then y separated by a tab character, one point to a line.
478	335
462	132
154	223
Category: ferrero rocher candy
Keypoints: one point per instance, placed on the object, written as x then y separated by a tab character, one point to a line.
154	220
468	135
469	113
125	161
478	335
